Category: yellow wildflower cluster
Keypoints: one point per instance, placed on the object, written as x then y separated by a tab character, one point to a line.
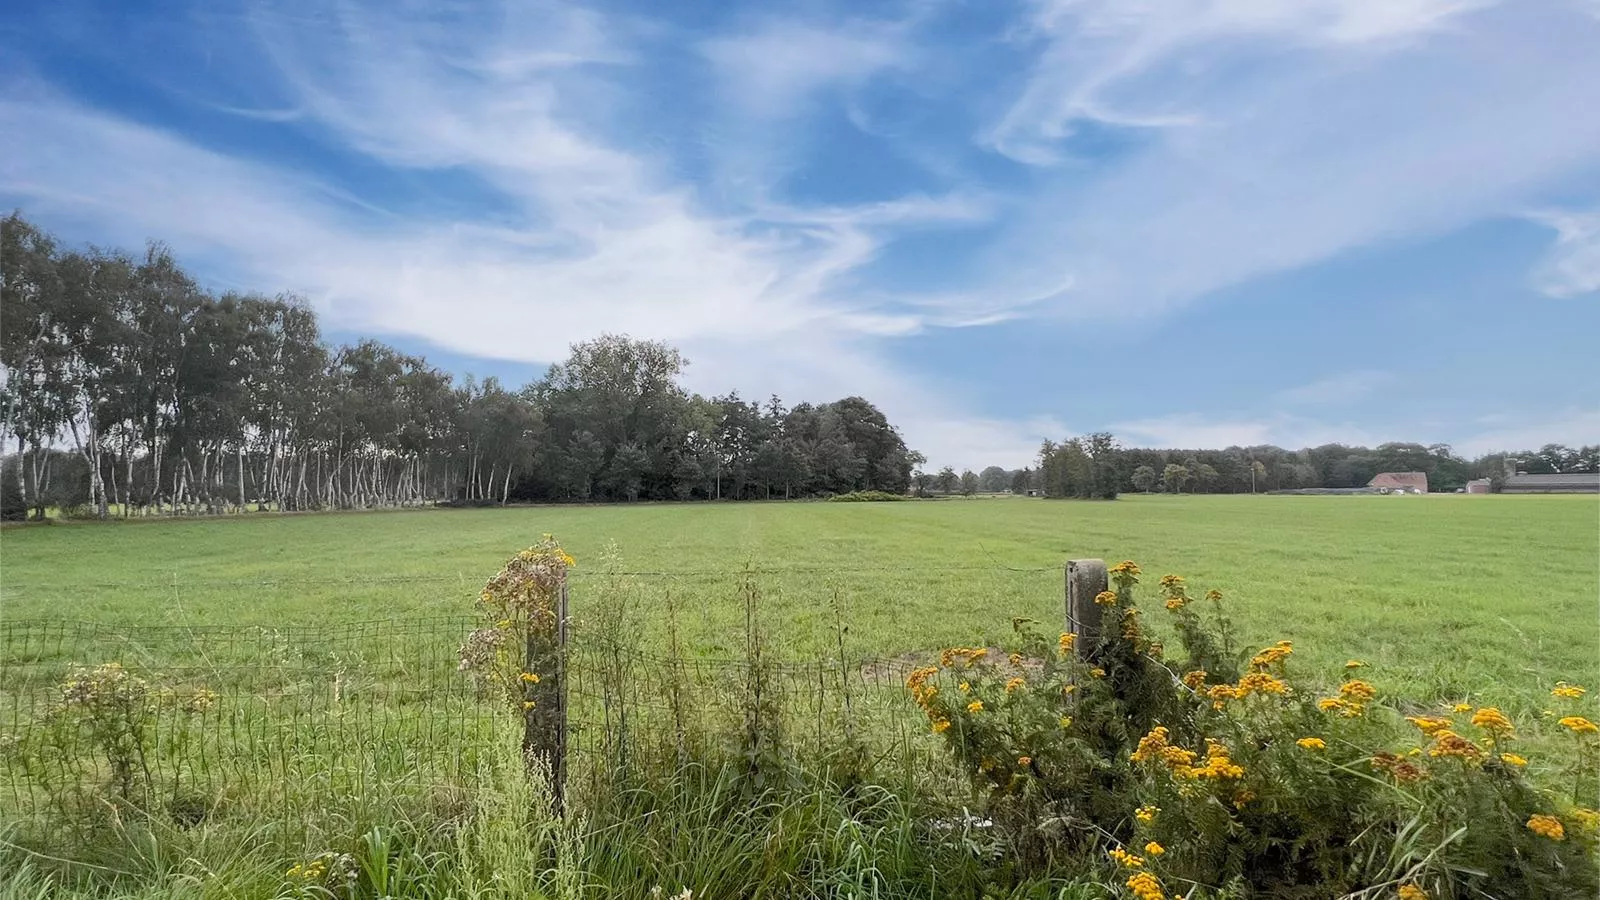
1271	656
920	683
1220	693
1547	826
1429	725
1176	603
1127	568
1146	887
1412	892
966	656
1512	759
1588	819
1066	721
1123	858
1097	672
1312	743
940	726
1448	743
1106	598
1015	684
975	706
1066	642
1024	761
1354	695
1218	765
1015	659
1146	813
1154	849
1578	725
1156	745
312	871
1194	680
1493	721
1172	582
530	678
1260	683
1151	745
1461	708
1567	691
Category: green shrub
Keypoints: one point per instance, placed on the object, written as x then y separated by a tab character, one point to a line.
866	497
1216	775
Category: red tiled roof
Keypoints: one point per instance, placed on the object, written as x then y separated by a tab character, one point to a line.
1410	481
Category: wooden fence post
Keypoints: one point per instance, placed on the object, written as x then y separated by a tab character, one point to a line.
544	727
1086	578
558	769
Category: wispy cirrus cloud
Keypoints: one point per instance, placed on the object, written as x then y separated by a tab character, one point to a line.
797	198
1334	389
1572	267
1372	127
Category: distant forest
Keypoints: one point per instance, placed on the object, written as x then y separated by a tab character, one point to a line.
127	389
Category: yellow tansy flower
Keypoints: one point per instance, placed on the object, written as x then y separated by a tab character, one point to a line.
1154	849
1579	725
1312	743
975	706
1547	826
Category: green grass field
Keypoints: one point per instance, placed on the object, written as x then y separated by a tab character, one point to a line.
1486	598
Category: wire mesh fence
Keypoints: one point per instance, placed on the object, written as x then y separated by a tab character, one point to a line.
190	720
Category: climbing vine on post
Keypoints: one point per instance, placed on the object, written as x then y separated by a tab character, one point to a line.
518	653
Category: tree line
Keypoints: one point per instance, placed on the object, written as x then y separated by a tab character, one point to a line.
127	389
1097	467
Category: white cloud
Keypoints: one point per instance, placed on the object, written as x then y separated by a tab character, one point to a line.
1299	152
1099	55
597	236
1572	268
771	71
1341	388
1573	427
1194	431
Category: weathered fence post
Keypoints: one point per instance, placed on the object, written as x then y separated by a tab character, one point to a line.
559	768
1086	578
544	725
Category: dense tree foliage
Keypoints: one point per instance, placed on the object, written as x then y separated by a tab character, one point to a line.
128	387
1083	467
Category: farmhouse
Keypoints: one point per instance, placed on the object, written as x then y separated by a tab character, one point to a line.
1400	483
1568	483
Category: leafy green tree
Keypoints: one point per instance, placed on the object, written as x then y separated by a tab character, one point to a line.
947	480
1174	477
969	482
1144	478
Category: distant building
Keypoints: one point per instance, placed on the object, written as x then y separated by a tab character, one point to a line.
1569	483
1478	486
1400	483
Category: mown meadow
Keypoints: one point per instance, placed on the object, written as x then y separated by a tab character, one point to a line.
1446	601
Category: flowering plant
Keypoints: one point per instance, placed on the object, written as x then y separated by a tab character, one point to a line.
1218	774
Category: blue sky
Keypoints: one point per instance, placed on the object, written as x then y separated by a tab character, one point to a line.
1189	223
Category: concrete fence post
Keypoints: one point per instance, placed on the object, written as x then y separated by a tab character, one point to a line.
1086	578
